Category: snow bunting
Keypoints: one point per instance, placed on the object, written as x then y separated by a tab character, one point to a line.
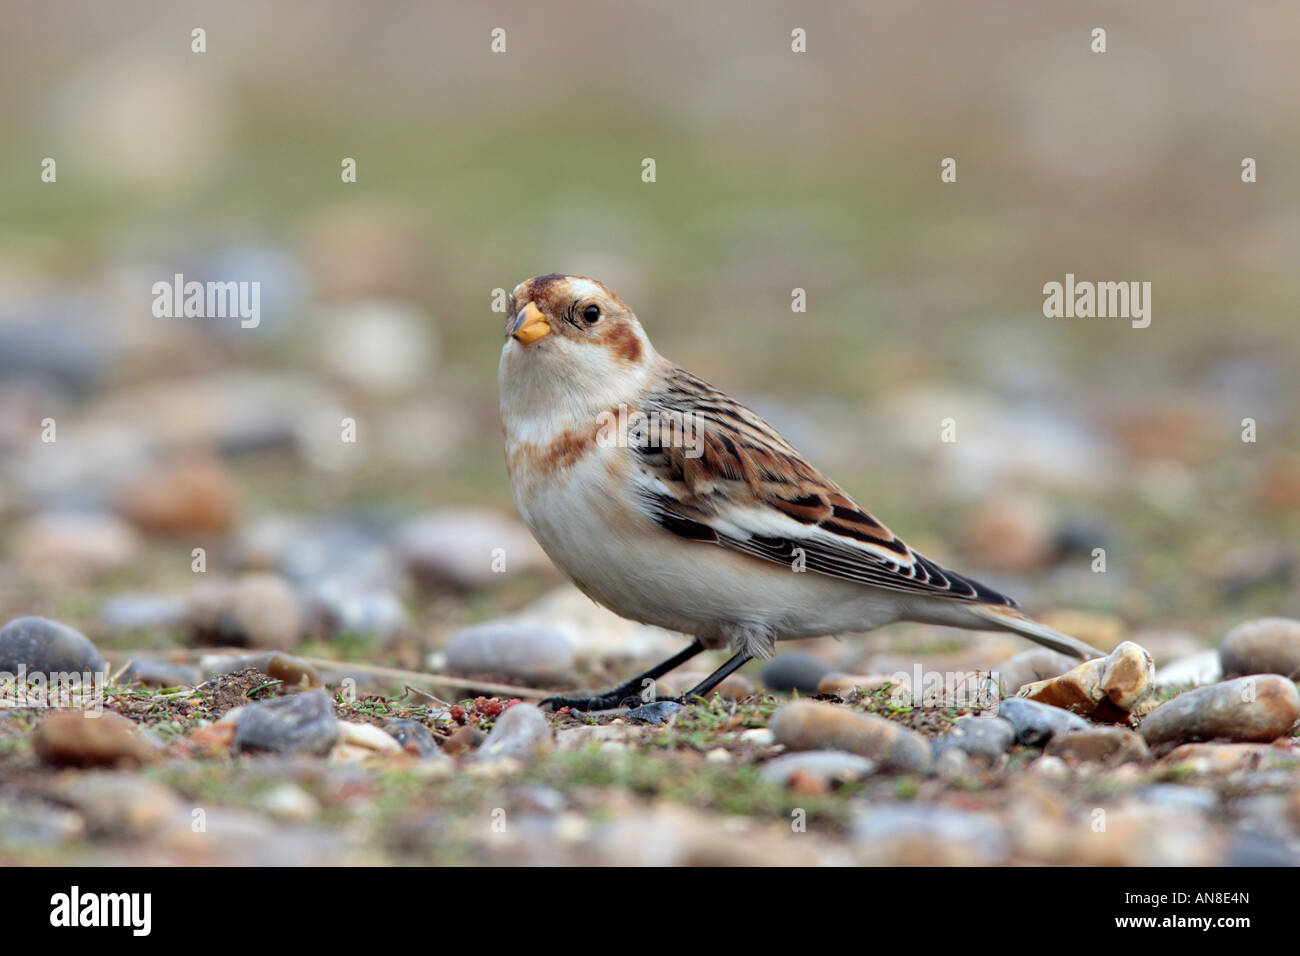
674	505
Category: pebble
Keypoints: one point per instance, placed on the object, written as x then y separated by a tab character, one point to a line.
460	548
380	347
844	685
414	738
116	804
142	612
257	610
1198	670
813	725
1270	645
913	834
1108	688
74	547
79	739
655	712
191	497
512	649
1034	723
795	671
826	766
1110	745
1033	665
288	801
1009	533
291	670
520	733
986	737
40	645
463	741
298	723
758	736
597	633
1224	759
1258	708
337	609
368	736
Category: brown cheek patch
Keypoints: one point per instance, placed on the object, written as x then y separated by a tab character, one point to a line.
625	344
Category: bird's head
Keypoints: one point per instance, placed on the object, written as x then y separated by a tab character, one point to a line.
573	334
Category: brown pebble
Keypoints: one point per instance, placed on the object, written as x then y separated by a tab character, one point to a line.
463	741
1110	745
77	739
1258	708
813	725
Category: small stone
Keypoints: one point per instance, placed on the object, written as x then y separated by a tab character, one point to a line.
986	737
1110	745
759	737
1108	688
117	804
299	723
1195	671
288	801
256	610
827	766
952	764
1270	645
192	497
291	670
718	755
463	548
511	649
414	738
1033	665
1258	708
367	736
912	834
795	671
519	733
74	547
1229	758
142	612
463	741
1011	533
39	645
843	685
655	712
1034	723
80	739
812	725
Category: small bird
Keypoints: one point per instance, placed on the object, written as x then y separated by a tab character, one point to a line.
672	504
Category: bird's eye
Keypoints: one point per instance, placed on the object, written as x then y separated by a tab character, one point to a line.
591	313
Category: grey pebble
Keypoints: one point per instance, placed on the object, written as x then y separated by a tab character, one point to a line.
299	723
38	644
795	671
1036	723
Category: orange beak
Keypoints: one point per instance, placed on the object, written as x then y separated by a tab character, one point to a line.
529	325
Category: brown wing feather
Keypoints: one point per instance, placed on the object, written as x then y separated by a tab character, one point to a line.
747	464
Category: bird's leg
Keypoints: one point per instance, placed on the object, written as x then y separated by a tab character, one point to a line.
702	689
631	688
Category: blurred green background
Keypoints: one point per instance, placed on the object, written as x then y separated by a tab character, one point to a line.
775	171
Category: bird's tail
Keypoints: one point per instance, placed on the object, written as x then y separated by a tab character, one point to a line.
1009	619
